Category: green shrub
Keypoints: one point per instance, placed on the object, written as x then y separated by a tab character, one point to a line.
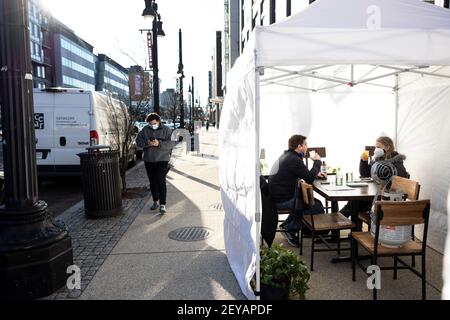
278	263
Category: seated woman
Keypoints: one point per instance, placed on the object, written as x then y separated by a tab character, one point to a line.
384	151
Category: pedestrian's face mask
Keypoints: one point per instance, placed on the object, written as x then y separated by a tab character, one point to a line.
154	124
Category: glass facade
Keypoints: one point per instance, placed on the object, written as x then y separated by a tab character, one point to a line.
71	82
77	65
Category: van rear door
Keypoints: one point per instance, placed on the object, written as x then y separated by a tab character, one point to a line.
44	128
72	127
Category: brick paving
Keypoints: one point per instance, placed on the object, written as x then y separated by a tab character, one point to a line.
94	239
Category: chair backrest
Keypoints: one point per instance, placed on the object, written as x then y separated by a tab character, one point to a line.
307	193
410	187
371	150
402	213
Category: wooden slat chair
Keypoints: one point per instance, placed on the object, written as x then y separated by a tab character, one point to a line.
394	213
411	188
321	223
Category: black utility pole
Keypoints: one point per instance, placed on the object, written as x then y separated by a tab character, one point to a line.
192	105
35	251
155	66
181	73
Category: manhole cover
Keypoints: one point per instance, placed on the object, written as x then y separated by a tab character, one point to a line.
190	234
217	206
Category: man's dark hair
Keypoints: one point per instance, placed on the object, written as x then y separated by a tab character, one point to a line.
153	116
295	140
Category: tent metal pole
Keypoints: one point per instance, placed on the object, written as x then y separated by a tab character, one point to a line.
384	76
313	76
396	111
257	184
352	73
293	72
419	72
367	73
290	86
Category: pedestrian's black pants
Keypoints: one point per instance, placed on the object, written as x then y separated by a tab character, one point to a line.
157	172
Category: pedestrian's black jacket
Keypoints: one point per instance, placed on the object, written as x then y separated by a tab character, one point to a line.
397	160
287	169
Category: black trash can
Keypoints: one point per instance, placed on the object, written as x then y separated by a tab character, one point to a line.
101	182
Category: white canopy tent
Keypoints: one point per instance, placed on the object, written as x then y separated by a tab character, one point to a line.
341	73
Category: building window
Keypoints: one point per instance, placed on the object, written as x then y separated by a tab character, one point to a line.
71	82
77	67
76	50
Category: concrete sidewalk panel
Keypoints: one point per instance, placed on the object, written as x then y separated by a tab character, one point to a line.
165	276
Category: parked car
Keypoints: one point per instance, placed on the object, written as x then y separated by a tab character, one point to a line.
138	127
67	121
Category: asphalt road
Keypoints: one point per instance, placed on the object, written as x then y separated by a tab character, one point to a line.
59	193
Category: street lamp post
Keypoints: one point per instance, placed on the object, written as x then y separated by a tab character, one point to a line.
151	12
181	73
191	90
35	251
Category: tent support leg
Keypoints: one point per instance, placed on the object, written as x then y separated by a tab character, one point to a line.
396	111
258	72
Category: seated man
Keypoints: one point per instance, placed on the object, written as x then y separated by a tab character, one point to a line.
283	177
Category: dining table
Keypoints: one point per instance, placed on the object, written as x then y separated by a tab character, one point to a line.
364	191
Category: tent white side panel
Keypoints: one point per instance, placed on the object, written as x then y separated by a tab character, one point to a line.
237	174
424	135
344	120
446	266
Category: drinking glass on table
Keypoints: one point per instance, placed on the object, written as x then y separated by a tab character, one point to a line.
339	179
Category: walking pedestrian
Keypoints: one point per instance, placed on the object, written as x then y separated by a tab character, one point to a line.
155	139
207	125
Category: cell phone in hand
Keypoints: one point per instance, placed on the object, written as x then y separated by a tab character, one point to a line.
152	138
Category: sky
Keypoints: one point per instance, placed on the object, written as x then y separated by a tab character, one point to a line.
112	27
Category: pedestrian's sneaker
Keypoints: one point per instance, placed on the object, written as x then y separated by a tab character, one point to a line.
162	209
154	206
291	238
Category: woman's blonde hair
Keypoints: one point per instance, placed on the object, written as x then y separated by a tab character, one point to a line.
386	141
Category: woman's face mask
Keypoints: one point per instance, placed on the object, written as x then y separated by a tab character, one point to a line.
378	153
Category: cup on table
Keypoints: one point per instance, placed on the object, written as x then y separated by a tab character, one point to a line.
312	154
349	176
365	155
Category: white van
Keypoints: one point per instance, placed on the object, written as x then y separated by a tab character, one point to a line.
66	121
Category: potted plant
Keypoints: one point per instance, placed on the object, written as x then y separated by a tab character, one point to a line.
283	274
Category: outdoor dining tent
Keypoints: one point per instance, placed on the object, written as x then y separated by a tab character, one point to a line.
341	73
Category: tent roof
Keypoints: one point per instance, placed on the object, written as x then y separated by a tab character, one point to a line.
396	32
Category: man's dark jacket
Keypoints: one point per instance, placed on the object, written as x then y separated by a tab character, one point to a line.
285	172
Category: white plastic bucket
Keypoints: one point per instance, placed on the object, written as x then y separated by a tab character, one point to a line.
391	236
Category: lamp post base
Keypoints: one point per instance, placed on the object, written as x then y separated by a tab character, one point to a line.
35	252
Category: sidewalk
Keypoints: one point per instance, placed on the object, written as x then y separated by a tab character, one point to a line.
147	264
